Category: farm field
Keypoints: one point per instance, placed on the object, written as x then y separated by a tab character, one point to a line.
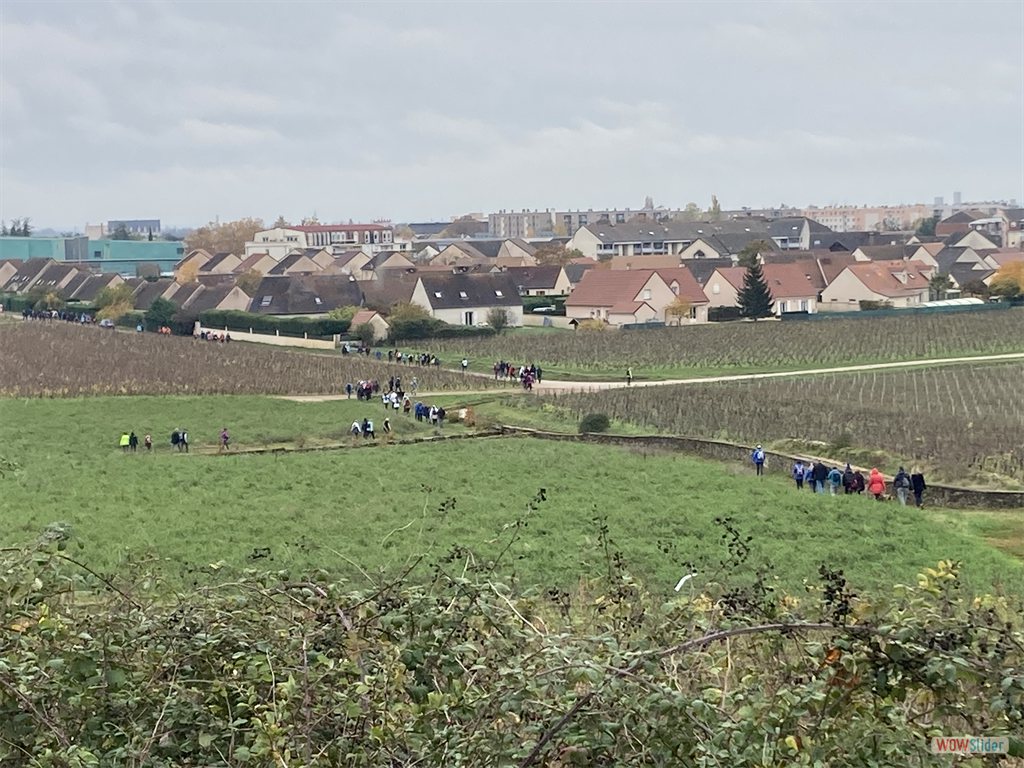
746	347
377	508
65	360
962	424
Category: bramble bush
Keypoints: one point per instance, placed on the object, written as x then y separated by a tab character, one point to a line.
594	422
472	667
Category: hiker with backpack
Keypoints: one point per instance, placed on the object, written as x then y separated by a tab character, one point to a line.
901	483
835	479
798	474
757	456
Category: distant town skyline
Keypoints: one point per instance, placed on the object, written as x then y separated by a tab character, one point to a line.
419	112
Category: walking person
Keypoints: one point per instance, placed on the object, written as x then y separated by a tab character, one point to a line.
148	442
757	456
820	477
809	476
465	364
798	474
225	440
356	429
901	483
387	426
835	479
133	442
876	484
183	441
629	376
917	485
849	481
176	439
123	442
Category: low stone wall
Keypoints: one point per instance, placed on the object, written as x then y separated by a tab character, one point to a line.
267	338
775	463
554	321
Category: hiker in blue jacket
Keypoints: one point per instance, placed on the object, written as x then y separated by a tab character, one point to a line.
758	458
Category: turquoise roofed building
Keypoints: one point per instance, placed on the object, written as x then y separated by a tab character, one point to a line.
121	256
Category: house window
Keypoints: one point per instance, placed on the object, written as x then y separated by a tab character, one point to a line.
499	294
462	295
468	318
620	218
437	294
265	301
317	300
97	254
803	305
693	313
647	294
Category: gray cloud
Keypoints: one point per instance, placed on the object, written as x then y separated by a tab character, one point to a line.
415	111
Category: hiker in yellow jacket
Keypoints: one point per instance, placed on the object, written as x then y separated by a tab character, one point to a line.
125	439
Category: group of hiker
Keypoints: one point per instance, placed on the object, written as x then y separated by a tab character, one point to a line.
129	441
820	477
525	375
365	389
82	318
423	412
208	335
394	355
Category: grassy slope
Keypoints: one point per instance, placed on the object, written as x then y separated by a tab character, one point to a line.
199	509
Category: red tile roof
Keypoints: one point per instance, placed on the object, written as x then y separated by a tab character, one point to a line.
608	288
689	288
881	277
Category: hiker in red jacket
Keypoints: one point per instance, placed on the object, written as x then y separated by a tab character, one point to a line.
876	484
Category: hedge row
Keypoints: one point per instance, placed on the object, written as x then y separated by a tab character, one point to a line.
236	320
429	328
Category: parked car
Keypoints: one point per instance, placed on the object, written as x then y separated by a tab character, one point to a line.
107	323
545	310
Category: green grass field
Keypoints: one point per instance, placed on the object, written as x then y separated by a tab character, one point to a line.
378	508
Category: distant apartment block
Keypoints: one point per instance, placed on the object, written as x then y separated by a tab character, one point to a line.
549	222
280	241
135	226
879	218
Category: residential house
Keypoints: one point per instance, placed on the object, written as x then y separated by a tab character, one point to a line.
192	263
305	294
1013	227
973	239
260	263
27	274
793	288
687	290
381	327
387	260
959	223
220	264
899	283
620	297
149	291
879	253
542	280
87	291
297	263
54	277
350	263
466	299
575	270
8	269
216	297
459	254
391	289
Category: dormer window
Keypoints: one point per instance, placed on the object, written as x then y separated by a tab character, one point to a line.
265	301
437	294
462	295
317	300
499	294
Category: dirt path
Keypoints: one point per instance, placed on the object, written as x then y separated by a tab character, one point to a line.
593	386
596	386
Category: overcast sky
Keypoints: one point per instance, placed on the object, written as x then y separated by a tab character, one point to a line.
189	110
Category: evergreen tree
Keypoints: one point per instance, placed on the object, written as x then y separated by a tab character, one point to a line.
3	229
755	298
